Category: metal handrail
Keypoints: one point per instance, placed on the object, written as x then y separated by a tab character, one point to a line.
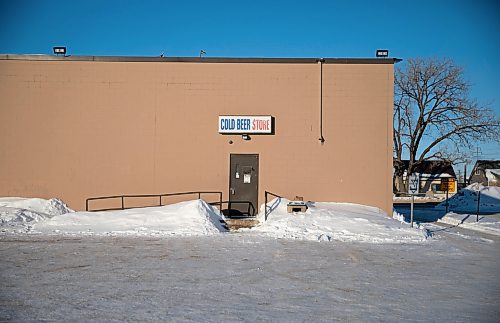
160	196
251	207
266	193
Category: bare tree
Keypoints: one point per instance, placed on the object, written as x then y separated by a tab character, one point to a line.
434	116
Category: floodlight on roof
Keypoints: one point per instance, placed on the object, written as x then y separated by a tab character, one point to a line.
59	50
382	52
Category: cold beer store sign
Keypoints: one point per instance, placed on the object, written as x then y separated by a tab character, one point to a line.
245	124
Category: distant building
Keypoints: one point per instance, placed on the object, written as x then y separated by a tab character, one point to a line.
486	172
433	174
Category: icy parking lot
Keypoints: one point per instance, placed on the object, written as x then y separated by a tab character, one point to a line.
336	261
248	277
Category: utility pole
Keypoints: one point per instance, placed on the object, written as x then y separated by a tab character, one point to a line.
477	153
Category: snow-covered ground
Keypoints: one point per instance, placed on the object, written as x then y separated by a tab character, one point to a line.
487	223
463	208
321	222
336	221
138	265
20	214
38	216
466	200
242	277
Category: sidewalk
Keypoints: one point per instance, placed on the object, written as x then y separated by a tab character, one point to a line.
487	223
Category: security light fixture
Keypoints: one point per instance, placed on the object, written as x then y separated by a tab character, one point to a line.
382	52
59	50
245	137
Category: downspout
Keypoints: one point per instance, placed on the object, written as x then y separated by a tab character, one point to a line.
321	138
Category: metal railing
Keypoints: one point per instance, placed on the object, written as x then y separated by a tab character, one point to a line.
250	211
272	207
159	196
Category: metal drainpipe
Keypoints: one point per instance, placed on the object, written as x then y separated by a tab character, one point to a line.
321	138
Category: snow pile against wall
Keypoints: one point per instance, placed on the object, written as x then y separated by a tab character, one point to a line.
466	199
182	219
20	214
322	221
50	207
336	221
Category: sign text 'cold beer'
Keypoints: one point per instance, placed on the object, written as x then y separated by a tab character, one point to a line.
245	124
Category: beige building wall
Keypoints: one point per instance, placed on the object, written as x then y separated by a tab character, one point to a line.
75	129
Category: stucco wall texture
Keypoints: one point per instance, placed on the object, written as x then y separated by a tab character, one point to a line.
79	129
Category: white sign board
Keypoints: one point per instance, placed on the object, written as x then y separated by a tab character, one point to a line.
413	184
245	124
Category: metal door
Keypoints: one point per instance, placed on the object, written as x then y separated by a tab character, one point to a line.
243	185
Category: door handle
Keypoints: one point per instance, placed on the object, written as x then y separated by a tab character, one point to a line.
232	191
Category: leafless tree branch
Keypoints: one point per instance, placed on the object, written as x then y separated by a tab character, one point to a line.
433	108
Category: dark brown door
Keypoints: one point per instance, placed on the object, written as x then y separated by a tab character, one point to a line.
243	185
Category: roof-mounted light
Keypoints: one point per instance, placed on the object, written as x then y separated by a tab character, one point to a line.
382	52
59	50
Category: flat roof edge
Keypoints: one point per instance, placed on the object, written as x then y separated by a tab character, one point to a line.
199	59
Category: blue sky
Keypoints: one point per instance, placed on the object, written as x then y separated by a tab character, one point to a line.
466	31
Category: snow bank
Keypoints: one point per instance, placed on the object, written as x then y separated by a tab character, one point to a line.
492	174
398	216
182	219
48	207
487	223
336	221
322	221
22	215
466	200
19	214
